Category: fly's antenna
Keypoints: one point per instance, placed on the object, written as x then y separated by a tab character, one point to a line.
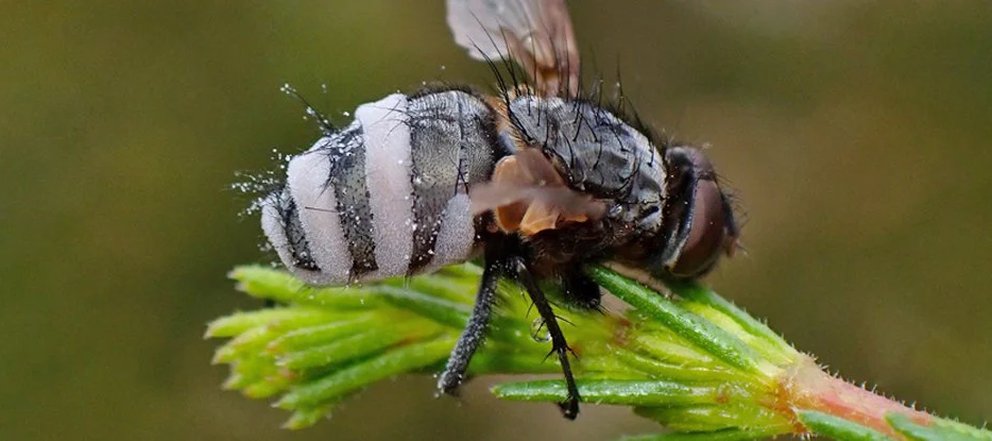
323	123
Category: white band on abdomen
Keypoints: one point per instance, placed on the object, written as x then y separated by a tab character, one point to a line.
307	178
456	238
387	166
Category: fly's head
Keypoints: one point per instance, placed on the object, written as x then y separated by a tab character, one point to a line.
699	224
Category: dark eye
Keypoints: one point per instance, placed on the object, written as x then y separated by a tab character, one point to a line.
710	233
700	220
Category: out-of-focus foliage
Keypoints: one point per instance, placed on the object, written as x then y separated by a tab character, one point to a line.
855	133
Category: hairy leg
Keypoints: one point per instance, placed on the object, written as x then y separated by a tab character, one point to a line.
581	291
569	407
475	332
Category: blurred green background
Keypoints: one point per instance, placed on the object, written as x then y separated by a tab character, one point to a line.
856	135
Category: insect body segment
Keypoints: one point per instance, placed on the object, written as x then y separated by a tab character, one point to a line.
386	196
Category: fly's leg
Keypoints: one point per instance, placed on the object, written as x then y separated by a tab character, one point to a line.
581	291
569	407
475	332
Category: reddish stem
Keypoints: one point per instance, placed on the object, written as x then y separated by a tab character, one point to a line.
807	387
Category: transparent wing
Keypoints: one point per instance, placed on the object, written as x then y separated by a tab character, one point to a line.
536	34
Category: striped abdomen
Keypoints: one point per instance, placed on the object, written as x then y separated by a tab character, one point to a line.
388	195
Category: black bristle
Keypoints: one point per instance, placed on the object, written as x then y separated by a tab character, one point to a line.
323	123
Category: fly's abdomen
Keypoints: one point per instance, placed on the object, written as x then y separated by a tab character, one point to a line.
387	195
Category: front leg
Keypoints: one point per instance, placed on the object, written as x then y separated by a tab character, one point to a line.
569	407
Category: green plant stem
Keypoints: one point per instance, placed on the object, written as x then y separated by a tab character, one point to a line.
691	361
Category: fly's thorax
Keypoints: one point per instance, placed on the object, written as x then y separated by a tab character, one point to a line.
599	154
388	194
666	212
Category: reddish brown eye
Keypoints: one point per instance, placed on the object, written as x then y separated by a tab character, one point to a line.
709	234
701	221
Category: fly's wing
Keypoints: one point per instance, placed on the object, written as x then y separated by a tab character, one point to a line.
527	195
536	34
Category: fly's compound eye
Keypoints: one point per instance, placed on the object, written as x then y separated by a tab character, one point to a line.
711	232
703	225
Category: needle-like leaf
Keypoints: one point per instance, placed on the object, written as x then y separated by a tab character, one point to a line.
688	359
